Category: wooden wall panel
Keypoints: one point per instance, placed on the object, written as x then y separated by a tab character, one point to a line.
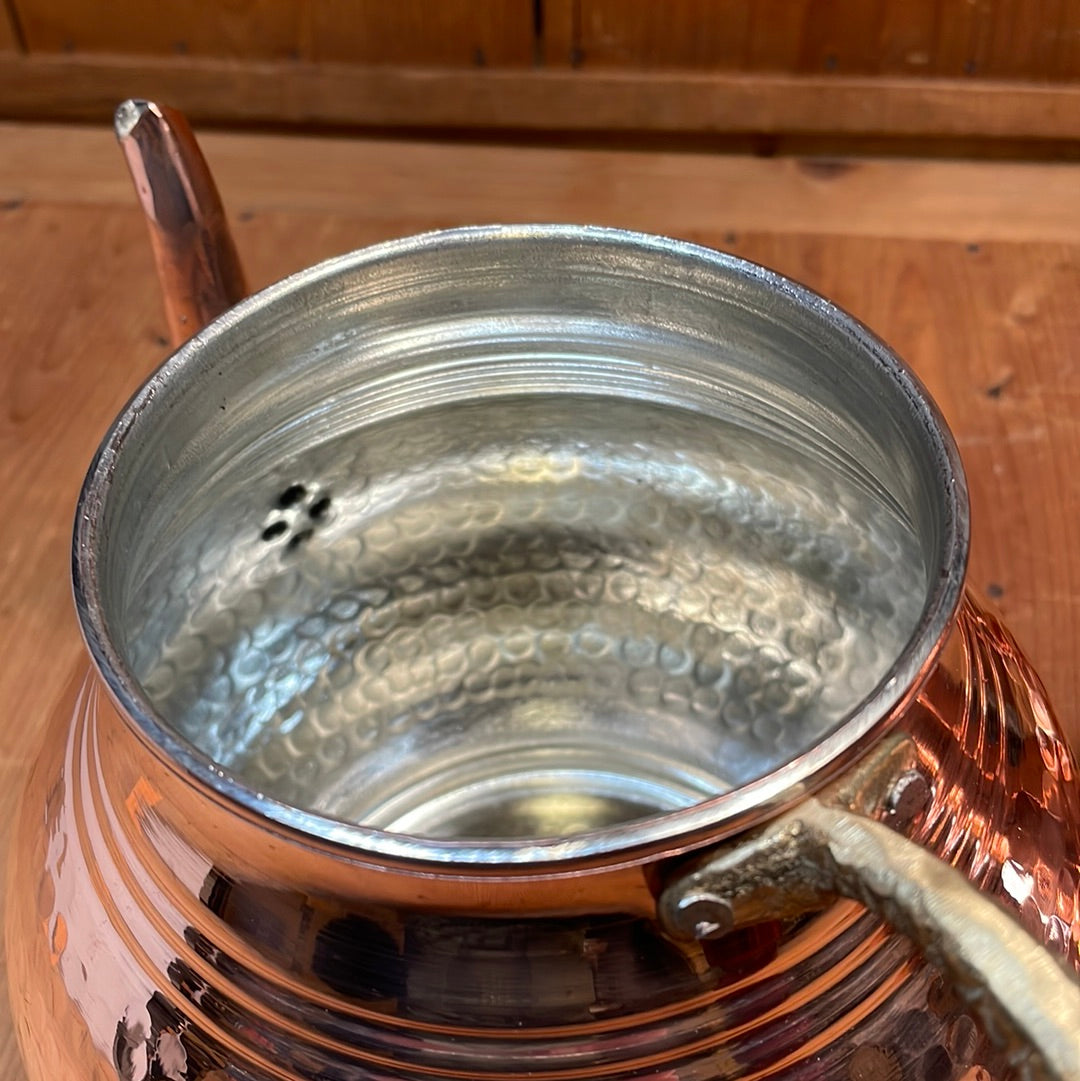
998	39
449	33
984	69
9	39
906	39
558	32
1035	40
961	38
1025	38
253	29
776	32
843	37
683	34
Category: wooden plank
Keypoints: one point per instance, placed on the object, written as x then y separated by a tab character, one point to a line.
1026	39
87	88
679	34
907	42
9	36
1022	39
387	180
451	33
1067	63
844	37
777	27
250	29
1025	36
557	32
963	38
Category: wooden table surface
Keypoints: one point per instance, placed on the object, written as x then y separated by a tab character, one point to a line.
971	270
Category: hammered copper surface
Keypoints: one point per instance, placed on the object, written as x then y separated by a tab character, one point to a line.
165	926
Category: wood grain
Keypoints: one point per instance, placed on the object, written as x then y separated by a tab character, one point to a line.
451	33
9	38
80	87
986	315
995	39
253	29
1032	40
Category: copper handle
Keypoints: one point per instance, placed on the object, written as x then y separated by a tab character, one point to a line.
197	264
1027	1002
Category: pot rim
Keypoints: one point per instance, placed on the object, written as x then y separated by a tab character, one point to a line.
671	831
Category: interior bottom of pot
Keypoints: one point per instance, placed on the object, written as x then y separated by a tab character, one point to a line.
522	618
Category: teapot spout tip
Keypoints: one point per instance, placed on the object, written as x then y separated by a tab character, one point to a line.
196	260
130	113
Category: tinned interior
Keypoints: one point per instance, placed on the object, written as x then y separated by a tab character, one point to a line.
516	535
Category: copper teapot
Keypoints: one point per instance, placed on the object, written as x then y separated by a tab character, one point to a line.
533	651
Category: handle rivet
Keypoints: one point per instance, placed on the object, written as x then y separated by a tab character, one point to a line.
703	914
909	795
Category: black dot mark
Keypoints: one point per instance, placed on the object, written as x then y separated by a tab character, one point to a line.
973	248
245	215
730	237
320	508
298	538
292	495
11	204
995	390
274	530
995	591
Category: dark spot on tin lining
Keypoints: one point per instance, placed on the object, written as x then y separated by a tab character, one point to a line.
274	530
292	495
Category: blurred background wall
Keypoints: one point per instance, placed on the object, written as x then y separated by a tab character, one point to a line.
923	74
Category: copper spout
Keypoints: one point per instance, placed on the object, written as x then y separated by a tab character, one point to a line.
196	259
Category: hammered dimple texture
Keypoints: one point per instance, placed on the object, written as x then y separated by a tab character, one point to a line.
525	619
162	952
